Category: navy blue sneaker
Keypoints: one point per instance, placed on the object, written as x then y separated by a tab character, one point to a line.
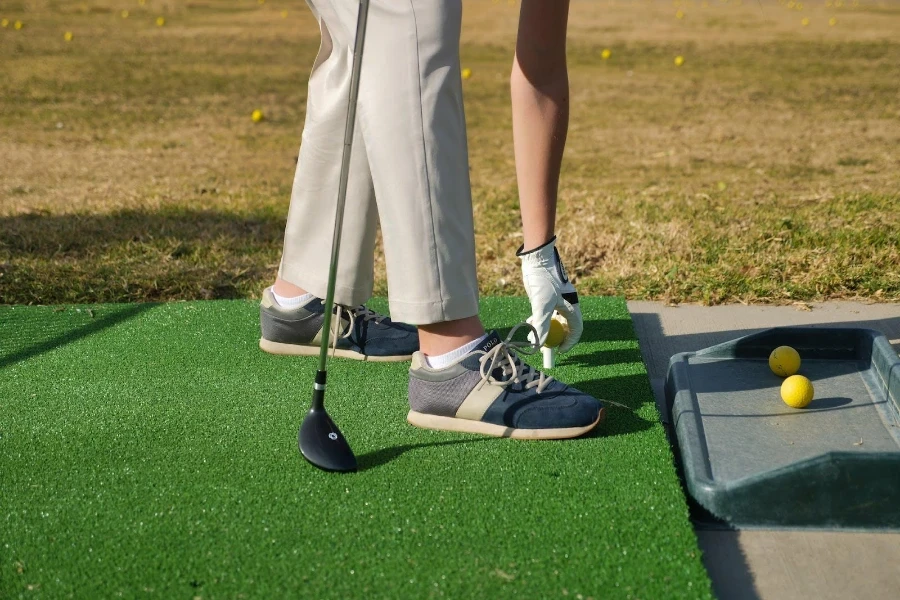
364	334
492	391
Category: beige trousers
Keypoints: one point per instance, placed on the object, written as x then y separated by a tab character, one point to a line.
409	163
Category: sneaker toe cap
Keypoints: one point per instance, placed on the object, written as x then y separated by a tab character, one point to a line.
569	408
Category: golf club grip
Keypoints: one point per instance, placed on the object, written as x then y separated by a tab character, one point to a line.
345	171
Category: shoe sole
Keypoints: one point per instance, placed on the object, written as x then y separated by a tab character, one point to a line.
427	421
300	350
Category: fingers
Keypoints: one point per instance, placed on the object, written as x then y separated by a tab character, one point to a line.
543	298
572	314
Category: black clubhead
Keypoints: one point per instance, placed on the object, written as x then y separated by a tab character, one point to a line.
323	444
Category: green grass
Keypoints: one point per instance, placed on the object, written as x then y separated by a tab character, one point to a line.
149	450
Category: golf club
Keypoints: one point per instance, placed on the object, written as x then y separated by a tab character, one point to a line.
320	440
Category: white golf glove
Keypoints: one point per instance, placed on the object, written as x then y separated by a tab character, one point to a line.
549	289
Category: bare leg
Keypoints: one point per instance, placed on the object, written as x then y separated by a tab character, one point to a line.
539	87
288	290
440	338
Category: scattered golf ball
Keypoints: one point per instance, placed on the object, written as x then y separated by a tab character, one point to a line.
284	14
832	21
124	14
160	21
679	60
4	23
68	36
257	116
606	54
804	21
19	25
466	73
784	361
679	14
721	186
797	391
558	332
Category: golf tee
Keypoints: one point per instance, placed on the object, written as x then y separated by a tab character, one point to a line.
549	357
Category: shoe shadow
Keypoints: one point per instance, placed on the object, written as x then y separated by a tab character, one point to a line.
381	457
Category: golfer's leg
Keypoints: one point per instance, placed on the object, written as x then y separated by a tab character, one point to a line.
310	224
412	119
539	86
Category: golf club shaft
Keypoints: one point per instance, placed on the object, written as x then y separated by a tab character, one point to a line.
342	198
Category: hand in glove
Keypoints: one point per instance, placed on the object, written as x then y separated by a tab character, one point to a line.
549	289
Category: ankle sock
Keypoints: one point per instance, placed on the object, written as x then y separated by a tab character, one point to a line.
442	361
293	302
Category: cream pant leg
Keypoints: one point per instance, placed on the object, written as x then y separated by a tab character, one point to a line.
409	163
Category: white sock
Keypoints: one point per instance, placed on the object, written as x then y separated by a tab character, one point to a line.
443	361
291	302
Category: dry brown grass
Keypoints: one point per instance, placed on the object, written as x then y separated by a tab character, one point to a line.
763	170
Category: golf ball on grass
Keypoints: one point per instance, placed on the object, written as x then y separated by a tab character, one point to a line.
797	391
784	361
257	116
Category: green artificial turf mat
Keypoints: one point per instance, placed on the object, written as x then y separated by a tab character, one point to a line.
150	451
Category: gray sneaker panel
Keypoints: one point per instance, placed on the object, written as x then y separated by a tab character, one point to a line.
288	325
441	398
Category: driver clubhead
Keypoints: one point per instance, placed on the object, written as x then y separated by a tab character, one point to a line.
323	444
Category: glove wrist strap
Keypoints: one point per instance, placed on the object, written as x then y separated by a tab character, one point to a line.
543	247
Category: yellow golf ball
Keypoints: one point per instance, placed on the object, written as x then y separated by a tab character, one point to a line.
797	391
4	23
466	73
68	36
257	116
556	335
124	14
606	54
784	361
160	21
679	60
18	25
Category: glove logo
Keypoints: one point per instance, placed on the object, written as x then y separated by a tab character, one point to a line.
560	269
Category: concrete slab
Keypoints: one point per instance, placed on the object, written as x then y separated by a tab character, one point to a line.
780	564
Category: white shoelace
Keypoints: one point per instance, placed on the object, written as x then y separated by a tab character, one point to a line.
503	355
352	314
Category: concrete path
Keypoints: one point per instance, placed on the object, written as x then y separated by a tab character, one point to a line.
768	564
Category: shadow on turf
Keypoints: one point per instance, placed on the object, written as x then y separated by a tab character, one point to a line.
96	325
371	460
